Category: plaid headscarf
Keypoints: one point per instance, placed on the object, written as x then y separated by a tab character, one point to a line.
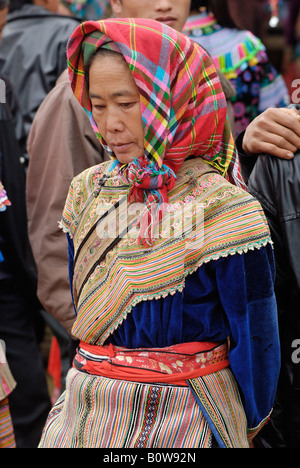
182	102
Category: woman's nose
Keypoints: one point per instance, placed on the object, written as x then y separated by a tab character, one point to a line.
114	122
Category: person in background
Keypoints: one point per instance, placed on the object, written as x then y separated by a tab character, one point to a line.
32	57
85	9
241	57
60	145
7	382
291	31
7	385
291	49
32	51
19	307
269	151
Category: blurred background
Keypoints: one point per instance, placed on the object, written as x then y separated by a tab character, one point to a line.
277	24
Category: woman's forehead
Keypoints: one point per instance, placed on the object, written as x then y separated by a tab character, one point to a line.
111	74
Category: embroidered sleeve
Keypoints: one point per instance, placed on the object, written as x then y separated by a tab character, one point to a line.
250	306
81	188
67	215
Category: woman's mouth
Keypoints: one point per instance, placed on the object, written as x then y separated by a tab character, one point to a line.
121	147
169	20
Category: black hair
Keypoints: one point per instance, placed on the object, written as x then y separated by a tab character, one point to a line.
101	51
18	4
4	4
220	10
196	4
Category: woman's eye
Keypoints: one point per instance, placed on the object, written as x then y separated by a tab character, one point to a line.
126	105
98	107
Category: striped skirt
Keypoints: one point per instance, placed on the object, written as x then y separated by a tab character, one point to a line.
98	412
7	438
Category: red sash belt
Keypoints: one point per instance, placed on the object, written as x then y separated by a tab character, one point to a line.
173	364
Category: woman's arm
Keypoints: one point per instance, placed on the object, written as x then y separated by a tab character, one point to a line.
246	287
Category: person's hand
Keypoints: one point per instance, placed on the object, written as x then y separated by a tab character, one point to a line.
275	132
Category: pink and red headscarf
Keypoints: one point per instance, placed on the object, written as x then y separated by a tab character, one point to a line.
182	102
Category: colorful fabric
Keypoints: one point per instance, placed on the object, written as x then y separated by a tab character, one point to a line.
4	201
230	48
122	414
208	218
242	58
7	437
172	364
218	396
7	385
186	364
7	382
182	102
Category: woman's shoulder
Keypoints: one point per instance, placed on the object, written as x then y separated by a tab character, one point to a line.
86	182
225	219
81	189
205	185
219	201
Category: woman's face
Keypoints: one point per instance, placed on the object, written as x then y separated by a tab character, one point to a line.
116	106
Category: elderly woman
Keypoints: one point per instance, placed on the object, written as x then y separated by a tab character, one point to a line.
171	265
